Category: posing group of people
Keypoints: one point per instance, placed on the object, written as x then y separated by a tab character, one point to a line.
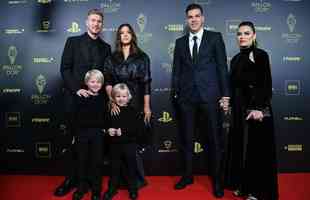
107	97
98	87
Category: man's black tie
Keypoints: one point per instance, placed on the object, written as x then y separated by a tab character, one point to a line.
195	50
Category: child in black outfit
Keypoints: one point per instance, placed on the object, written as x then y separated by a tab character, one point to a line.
90	119
124	130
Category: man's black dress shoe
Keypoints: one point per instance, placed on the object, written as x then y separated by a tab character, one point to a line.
141	184
133	195
183	182
65	187
77	195
95	196
218	190
109	194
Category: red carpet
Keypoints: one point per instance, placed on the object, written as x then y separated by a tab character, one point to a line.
17	187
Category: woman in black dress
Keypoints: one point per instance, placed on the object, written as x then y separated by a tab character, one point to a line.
130	65
251	164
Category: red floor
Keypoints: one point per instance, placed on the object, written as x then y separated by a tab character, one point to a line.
12	187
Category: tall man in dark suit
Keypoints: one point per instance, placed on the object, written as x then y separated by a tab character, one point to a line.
199	85
81	53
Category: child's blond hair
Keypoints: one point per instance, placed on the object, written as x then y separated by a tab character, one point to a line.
94	73
118	87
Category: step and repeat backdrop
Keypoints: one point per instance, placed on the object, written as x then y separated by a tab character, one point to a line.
33	136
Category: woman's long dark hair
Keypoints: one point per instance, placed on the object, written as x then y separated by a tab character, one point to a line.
134	49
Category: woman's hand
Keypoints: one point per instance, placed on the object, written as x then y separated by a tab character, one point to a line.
147	114
112	131
224	104
114	109
84	93
256	115
118	132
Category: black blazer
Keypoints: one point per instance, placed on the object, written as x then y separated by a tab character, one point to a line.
76	61
209	76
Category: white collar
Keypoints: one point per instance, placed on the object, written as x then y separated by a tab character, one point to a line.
198	34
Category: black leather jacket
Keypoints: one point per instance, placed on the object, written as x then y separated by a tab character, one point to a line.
134	71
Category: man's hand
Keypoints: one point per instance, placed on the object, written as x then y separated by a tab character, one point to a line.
118	132
112	131
256	115
84	93
224	103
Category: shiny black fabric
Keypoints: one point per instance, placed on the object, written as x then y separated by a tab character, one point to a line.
134	71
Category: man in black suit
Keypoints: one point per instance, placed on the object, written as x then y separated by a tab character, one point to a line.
81	53
199	85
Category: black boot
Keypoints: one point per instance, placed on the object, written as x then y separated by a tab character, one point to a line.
183	182
77	195
141	184
95	196
133	195
110	193
65	187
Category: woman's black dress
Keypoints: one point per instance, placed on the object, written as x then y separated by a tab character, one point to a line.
251	165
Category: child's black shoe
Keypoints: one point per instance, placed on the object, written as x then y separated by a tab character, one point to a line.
133	195
109	194
77	195
95	196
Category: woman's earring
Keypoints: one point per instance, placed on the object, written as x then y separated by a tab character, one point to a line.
254	43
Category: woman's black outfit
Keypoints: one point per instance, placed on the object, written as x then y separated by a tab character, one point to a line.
135	73
251	164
